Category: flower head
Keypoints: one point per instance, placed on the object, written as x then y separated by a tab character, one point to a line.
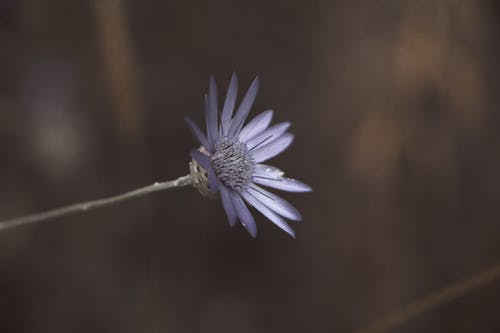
231	154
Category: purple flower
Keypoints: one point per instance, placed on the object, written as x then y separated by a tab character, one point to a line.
232	154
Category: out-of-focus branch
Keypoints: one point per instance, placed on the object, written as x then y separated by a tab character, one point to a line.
119	66
439	297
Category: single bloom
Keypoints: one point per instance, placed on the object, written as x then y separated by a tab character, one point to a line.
232	153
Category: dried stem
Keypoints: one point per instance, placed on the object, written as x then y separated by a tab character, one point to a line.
86	206
426	303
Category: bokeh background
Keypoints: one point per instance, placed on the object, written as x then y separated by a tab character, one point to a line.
395	107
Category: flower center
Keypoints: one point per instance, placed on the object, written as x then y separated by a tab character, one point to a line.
232	163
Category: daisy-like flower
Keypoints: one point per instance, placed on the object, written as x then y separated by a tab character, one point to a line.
231	153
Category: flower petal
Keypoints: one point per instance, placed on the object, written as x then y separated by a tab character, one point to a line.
283	183
276	219
273	177
272	149
197	132
269	135
228	108
275	203
256	126
244	108
213	182
268	171
202	159
211	142
206	164
244	214
228	205
211	112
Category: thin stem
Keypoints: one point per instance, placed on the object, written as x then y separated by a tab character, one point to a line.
86	206
426	303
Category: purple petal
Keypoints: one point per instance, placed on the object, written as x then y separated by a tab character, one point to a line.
244	108
273	177
283	183
268	171
275	203
256	126
272	149
228	205
244	214
213	182
276	219
202	159
269	135
212	113
227	110
208	121
197	133
206	164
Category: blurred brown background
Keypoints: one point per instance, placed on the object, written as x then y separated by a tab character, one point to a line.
395	107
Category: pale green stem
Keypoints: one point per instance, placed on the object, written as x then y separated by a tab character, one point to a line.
89	205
